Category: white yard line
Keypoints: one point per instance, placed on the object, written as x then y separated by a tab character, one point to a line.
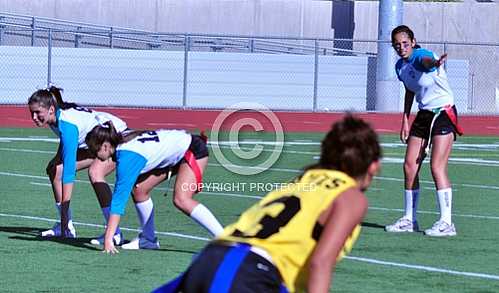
355	258
240	195
424	268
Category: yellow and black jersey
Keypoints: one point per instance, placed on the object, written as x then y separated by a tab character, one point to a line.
285	222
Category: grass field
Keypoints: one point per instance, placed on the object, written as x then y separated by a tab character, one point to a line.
380	262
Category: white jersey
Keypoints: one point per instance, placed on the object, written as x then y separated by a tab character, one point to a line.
159	148
148	151
85	120
73	125
430	86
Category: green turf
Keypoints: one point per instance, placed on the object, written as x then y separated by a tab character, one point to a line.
29	264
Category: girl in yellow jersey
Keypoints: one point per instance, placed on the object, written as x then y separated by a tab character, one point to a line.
291	240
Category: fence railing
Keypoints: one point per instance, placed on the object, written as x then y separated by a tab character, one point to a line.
203	71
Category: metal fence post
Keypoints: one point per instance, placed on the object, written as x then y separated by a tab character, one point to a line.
316	73
111	38
470	105
33	36
1	30
251	45
77	37
1	34
49	59
187	45
445	51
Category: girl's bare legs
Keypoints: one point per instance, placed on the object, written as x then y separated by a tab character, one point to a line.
145	210
414	157
185	188
54	171
97	173
441	149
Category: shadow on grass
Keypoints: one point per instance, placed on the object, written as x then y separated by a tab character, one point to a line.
33	234
372	225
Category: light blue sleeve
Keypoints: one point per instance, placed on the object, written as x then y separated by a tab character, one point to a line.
128	167
69	142
418	56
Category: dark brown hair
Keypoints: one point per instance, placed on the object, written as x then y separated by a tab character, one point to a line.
107	133
350	146
50	96
404	29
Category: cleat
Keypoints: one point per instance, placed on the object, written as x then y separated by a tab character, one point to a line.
117	239
441	229
55	231
141	243
403	225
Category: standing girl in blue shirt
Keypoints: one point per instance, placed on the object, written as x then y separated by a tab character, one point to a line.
435	125
71	123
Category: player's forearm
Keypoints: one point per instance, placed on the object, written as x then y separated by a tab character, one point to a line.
319	277
408	100
112	225
429	62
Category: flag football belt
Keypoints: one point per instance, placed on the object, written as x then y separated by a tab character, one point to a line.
190	158
452	117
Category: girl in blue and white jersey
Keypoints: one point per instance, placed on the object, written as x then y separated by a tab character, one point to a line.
144	159
71	123
435	125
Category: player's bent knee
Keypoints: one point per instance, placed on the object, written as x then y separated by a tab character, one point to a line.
95	174
54	171
181	202
410	168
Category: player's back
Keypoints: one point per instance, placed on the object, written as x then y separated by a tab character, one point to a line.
285	222
160	148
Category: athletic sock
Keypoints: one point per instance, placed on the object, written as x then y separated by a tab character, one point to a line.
58	208
105	213
411	203
444	197
103	192
205	218
145	211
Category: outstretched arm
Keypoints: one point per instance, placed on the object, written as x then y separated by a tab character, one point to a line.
112	225
347	212
430	62
128	167
69	142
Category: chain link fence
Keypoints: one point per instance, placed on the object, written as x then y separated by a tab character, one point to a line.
113	67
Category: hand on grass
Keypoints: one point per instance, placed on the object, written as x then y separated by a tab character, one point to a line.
109	247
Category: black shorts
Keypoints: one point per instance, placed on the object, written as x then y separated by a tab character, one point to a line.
198	147
254	274
443	125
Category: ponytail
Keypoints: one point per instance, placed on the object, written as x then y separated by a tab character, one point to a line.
106	132
56	93
100	134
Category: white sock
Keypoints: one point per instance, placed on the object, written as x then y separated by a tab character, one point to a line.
411	203
205	218
145	211
444	197
70	214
